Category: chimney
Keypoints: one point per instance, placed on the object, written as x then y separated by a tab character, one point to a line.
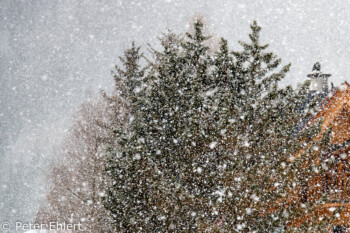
319	81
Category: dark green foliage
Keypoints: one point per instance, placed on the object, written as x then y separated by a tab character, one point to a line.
209	139
128	82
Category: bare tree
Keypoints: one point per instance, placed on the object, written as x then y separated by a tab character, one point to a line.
77	177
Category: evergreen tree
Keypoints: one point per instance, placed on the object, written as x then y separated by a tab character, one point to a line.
129	198
260	136
210	140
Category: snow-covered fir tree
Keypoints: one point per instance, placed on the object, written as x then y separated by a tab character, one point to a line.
211	140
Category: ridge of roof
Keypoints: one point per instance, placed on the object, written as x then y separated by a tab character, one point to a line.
328	101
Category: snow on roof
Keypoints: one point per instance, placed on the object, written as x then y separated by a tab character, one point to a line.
344	86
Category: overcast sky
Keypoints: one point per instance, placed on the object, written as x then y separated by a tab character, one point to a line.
54	53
